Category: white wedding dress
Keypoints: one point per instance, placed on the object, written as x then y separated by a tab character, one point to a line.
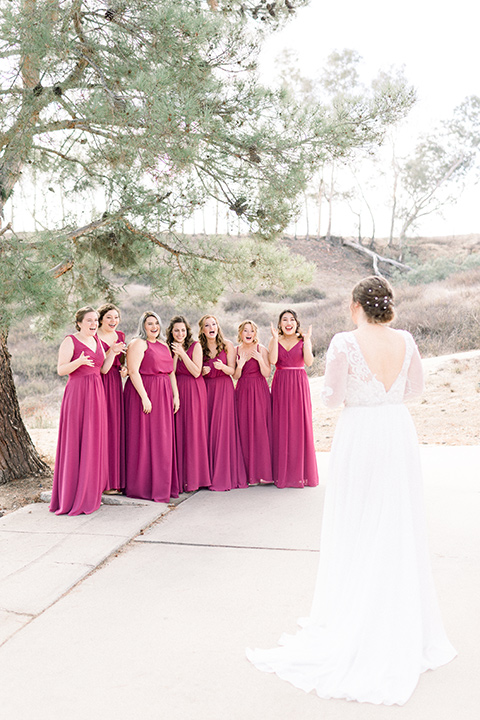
375	624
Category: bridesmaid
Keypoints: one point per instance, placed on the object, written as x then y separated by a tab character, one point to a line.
111	337
191	427
294	462
151	399
254	410
227	469
81	463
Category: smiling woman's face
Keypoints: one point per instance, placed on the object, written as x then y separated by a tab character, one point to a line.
89	324
288	324
179	332
247	334
152	327
110	320
210	328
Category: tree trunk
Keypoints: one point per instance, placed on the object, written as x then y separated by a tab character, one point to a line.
307	225
330	203
319	217
18	456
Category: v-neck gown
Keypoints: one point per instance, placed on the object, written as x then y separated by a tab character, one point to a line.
150	456
375	623
112	382
81	463
294	461
227	469
191	429
254	412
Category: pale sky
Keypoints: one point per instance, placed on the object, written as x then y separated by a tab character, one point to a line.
437	43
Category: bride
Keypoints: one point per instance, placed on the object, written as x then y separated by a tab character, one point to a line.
375	624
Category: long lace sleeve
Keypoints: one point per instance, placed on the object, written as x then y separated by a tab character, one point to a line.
415	384
336	373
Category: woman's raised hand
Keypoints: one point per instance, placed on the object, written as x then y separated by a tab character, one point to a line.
308	334
274	331
243	357
178	349
118	347
85	360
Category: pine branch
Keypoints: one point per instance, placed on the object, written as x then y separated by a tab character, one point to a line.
87	169
169	248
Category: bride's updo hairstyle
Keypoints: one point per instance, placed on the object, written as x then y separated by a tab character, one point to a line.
375	295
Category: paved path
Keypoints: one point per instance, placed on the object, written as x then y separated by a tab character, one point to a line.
158	631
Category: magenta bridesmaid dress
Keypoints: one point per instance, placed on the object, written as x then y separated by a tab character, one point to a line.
150	463
191	429
254	412
81	463
112	382
227	469
294	462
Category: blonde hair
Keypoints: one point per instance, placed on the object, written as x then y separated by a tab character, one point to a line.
241	328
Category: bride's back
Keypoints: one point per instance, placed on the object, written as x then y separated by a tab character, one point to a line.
383	349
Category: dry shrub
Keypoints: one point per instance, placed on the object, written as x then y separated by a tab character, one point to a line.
465	279
447	323
244	304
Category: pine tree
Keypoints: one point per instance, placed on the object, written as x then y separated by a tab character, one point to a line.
155	107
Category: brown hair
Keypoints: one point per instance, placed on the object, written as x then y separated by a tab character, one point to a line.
103	309
80	314
188	338
241	328
375	296
220	340
295	316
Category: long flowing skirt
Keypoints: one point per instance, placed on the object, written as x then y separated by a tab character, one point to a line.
81	463
294	461
191	427
226	463
150	463
112	382
254	411
375	623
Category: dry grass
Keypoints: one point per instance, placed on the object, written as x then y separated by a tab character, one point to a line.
443	316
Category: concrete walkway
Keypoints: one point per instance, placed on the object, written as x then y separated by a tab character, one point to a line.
158	631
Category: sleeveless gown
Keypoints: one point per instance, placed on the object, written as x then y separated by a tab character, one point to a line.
191	428
227	469
150	463
81	463
292	423
112	382
254	412
375	623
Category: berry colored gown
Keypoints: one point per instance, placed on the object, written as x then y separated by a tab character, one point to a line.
112	382
191	429
375	624
294	462
81	463
227	470
254	412
150	462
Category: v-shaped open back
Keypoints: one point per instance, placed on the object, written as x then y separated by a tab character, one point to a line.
375	375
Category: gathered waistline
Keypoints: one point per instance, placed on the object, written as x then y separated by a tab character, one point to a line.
282	367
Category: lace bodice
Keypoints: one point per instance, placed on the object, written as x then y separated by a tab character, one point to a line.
349	380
